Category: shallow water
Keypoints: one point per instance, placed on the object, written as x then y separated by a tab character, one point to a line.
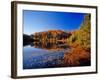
36	57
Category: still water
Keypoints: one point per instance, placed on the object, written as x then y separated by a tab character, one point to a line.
43	56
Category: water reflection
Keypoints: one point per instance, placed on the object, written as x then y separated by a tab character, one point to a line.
43	54
50	46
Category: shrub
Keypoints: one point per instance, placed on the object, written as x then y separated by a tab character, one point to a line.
77	56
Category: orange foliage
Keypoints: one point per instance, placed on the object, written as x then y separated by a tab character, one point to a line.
77	56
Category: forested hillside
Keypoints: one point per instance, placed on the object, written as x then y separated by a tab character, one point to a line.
81	45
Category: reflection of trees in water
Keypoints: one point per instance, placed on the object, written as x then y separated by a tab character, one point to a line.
50	45
50	40
55	44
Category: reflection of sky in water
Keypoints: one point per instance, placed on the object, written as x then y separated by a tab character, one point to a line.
39	58
29	51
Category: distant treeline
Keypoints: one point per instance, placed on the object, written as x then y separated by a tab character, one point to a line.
49	36
27	39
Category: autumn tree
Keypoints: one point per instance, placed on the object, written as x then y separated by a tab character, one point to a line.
82	36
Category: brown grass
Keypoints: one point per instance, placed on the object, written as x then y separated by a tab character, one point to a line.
77	57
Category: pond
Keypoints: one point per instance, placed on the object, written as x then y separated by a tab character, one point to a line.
38	55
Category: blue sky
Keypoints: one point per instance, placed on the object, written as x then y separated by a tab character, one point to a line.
38	21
